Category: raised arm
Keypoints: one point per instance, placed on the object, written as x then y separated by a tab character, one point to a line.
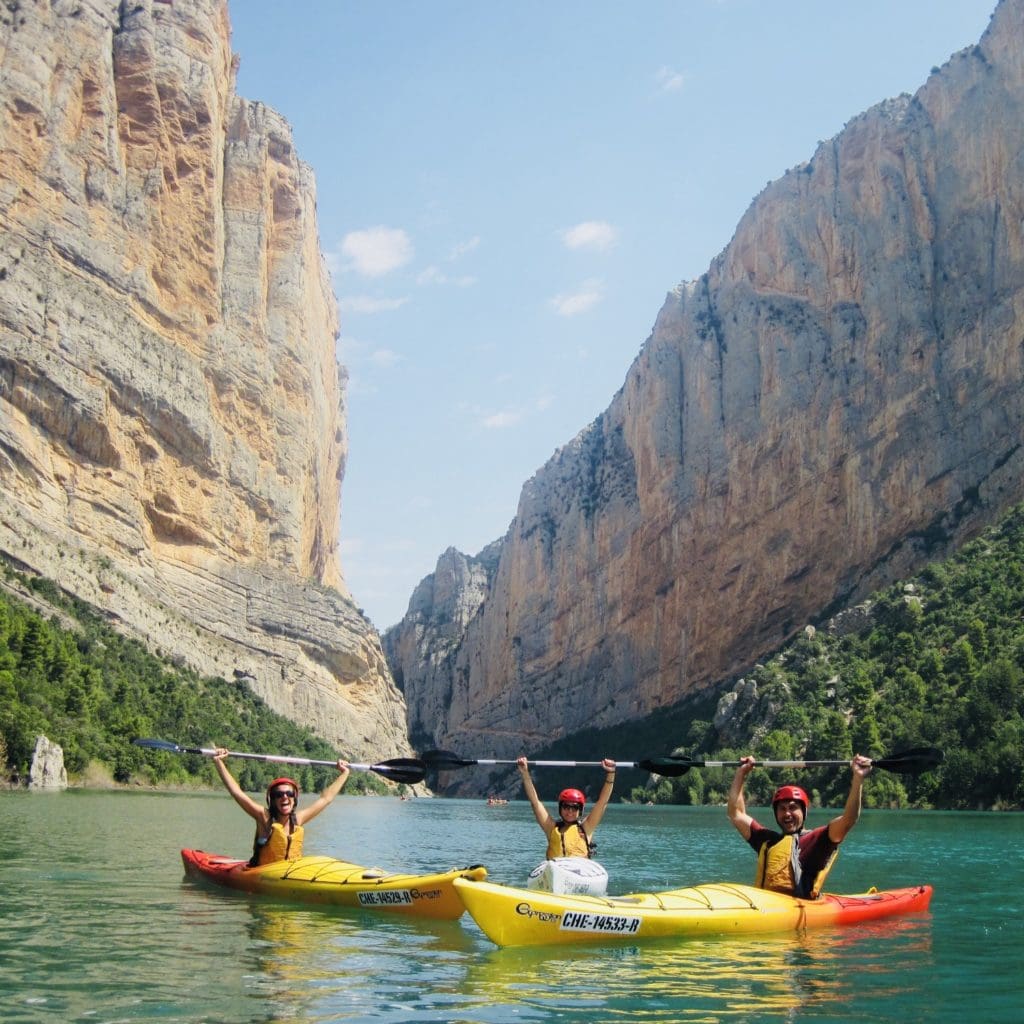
325	798
593	819
736	807
839	827
246	802
540	812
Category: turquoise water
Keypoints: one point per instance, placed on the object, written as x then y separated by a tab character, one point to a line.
98	925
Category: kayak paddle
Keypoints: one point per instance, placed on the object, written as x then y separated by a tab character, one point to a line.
445	761
398	769
907	762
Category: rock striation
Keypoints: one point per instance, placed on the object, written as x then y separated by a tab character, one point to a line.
172	419
835	401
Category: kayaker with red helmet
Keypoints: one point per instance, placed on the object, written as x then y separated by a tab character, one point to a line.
279	825
572	834
794	861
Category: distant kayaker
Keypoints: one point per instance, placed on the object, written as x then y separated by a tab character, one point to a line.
279	825
571	835
793	861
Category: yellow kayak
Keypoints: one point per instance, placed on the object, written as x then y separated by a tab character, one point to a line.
337	882
526	917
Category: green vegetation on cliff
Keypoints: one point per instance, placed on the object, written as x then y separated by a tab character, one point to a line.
938	662
72	678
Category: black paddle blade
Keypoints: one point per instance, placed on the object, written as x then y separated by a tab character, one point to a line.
445	760
670	767
401	769
911	762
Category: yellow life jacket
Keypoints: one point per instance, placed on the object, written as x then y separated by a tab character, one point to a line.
279	845
568	841
779	869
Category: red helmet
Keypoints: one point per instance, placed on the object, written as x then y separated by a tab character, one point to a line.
572	796
283	781
791	793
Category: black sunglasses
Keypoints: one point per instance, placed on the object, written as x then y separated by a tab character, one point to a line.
276	794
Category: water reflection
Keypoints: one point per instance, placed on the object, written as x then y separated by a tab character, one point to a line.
311	965
326	964
723	979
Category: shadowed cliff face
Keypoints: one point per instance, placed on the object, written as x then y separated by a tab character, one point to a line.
838	399
172	426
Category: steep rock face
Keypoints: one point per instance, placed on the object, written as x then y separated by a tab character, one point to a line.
172	426
431	634
837	399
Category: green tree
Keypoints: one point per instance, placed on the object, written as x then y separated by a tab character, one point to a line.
962	664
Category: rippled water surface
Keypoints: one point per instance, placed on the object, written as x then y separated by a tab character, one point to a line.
97	923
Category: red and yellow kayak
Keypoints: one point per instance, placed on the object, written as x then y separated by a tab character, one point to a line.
526	917
337	882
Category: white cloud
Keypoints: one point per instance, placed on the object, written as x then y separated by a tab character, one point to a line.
369	304
376	251
434	275
591	234
669	80
574	303
460	250
511	417
431	275
500	420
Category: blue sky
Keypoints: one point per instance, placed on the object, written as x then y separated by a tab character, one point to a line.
508	191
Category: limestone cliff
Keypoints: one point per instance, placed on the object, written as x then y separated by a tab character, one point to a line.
431	634
836	400
172	423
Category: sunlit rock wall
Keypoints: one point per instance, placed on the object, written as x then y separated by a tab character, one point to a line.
838	399
172	421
